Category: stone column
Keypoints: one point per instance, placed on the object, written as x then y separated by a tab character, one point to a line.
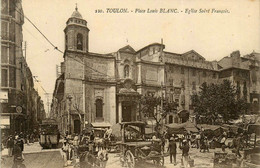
120	112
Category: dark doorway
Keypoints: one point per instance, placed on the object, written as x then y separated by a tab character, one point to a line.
126	113
76	126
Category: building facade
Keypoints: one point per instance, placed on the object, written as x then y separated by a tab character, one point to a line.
104	89
17	85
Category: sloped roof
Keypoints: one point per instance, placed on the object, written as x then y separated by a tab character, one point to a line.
195	53
127	48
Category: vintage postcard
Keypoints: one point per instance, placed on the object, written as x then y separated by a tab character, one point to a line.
113	83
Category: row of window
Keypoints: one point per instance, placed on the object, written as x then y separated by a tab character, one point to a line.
78	21
193	71
183	84
154	50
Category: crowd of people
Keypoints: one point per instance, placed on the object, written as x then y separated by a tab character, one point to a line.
202	142
15	147
75	145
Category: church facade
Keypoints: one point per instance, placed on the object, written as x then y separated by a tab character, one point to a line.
104	89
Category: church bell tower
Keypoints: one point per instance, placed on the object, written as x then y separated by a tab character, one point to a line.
76	33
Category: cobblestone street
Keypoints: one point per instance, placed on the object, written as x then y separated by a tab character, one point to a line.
36	157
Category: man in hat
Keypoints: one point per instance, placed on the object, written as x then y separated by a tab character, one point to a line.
10	145
18	154
172	150
65	150
185	152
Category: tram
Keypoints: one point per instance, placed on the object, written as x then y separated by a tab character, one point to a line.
49	134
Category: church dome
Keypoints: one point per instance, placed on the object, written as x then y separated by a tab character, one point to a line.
76	14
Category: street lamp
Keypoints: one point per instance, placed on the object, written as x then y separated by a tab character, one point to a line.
69	97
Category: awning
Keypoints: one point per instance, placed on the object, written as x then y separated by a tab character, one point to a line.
187	126
101	124
208	127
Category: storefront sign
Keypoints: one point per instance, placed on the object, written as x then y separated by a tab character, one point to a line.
5	122
3	96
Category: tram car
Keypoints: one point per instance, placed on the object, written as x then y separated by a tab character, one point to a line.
49	134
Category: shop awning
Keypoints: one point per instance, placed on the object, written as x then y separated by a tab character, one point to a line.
187	126
101	124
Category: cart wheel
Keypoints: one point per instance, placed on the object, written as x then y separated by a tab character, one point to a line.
159	161
130	160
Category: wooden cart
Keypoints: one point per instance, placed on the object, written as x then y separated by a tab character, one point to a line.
135	149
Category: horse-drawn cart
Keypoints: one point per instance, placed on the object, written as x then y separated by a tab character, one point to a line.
135	149
90	159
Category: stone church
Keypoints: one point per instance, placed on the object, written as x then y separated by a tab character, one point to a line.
104	89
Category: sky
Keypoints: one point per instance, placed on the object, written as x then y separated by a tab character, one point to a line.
212	35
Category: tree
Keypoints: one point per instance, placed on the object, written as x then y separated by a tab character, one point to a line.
76	106
217	100
151	107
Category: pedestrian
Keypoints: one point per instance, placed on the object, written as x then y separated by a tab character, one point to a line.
18	155
163	143
222	142
202	145
10	145
27	139
172	149
206	143
238	145
76	145
65	150
32	137
198	140
185	153
21	143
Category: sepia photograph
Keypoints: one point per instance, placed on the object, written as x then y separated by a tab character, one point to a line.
128	83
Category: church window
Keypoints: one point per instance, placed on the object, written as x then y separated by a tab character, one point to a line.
99	108
153	50
79	42
126	71
66	42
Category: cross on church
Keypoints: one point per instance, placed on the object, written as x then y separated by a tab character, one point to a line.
76	7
